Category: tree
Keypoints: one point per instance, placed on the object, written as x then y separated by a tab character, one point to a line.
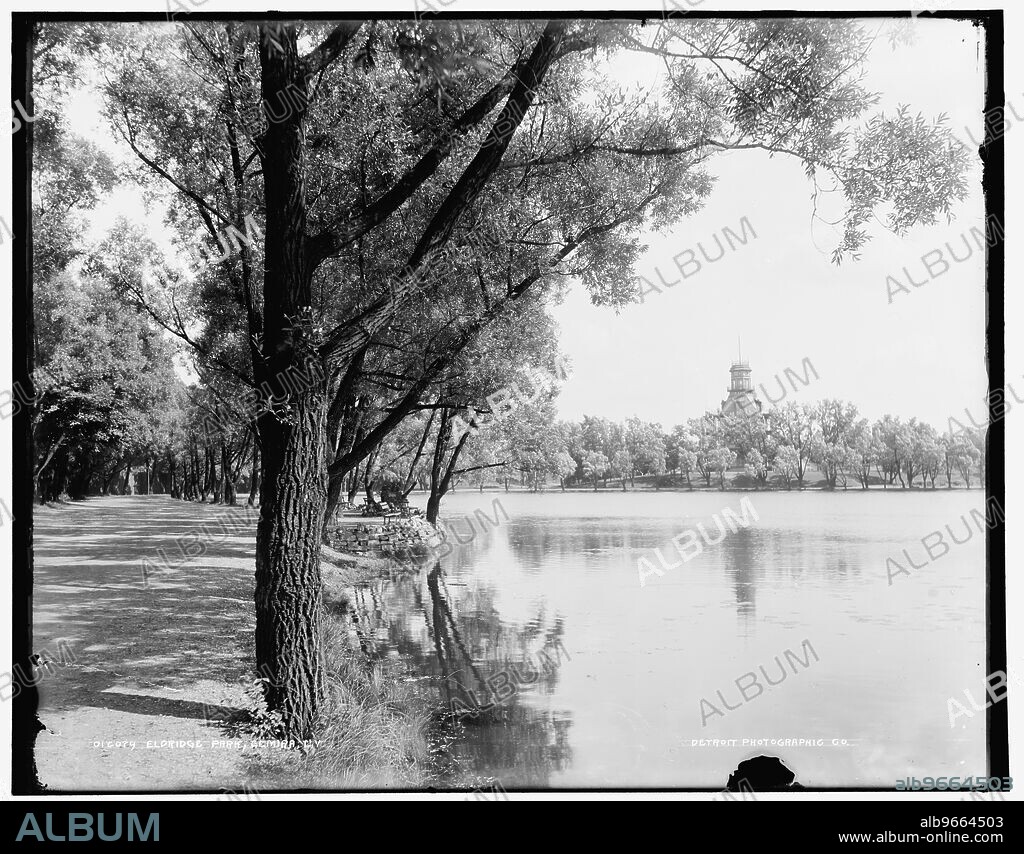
793	425
622	464
707	436
907	449
502	389
928	453
737	433
602	435
533	442
595	464
864	453
282	331
563	466
645	448
960	454
787	464
978	437
686	444
830	449
720	459
889	435
687	463
109	386
750	434
756	467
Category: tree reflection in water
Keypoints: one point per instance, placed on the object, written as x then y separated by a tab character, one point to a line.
496	733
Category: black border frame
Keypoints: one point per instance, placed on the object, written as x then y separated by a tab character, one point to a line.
25	722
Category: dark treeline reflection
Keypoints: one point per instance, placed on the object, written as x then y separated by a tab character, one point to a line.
485	670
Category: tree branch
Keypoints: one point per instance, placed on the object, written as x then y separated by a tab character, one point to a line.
331	47
347	337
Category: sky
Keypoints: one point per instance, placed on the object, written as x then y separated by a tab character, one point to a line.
922	355
667	359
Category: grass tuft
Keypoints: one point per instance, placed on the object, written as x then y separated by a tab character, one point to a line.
379	729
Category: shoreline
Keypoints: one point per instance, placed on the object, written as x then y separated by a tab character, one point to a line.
685	490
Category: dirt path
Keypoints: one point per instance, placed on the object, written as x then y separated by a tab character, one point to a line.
158	656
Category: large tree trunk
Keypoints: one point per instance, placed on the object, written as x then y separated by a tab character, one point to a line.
25	725
353	484
215	479
293	488
293	491
344	428
254	478
228	476
437	473
175	480
442	473
79	487
334	487
370	479
433	507
49	484
207	474
352	432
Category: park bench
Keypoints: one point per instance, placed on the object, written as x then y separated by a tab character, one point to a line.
381	508
406	510
399	510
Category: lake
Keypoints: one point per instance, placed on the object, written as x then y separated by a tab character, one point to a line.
789	627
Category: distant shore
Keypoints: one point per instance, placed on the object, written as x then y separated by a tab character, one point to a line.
739	483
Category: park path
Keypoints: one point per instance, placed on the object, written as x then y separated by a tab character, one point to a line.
151	660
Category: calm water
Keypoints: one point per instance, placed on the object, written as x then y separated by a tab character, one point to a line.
617	701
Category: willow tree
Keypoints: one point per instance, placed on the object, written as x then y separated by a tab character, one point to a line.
294	477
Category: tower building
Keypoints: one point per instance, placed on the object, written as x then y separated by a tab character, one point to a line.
741	399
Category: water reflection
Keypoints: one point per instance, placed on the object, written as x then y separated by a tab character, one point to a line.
492	676
623	710
744	562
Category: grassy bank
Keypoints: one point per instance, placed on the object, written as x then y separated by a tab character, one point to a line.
381	726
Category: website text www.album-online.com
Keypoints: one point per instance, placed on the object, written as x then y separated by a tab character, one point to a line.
940	829
939	836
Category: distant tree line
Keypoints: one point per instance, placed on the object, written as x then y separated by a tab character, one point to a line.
771	450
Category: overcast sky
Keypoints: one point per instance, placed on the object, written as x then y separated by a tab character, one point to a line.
668	359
